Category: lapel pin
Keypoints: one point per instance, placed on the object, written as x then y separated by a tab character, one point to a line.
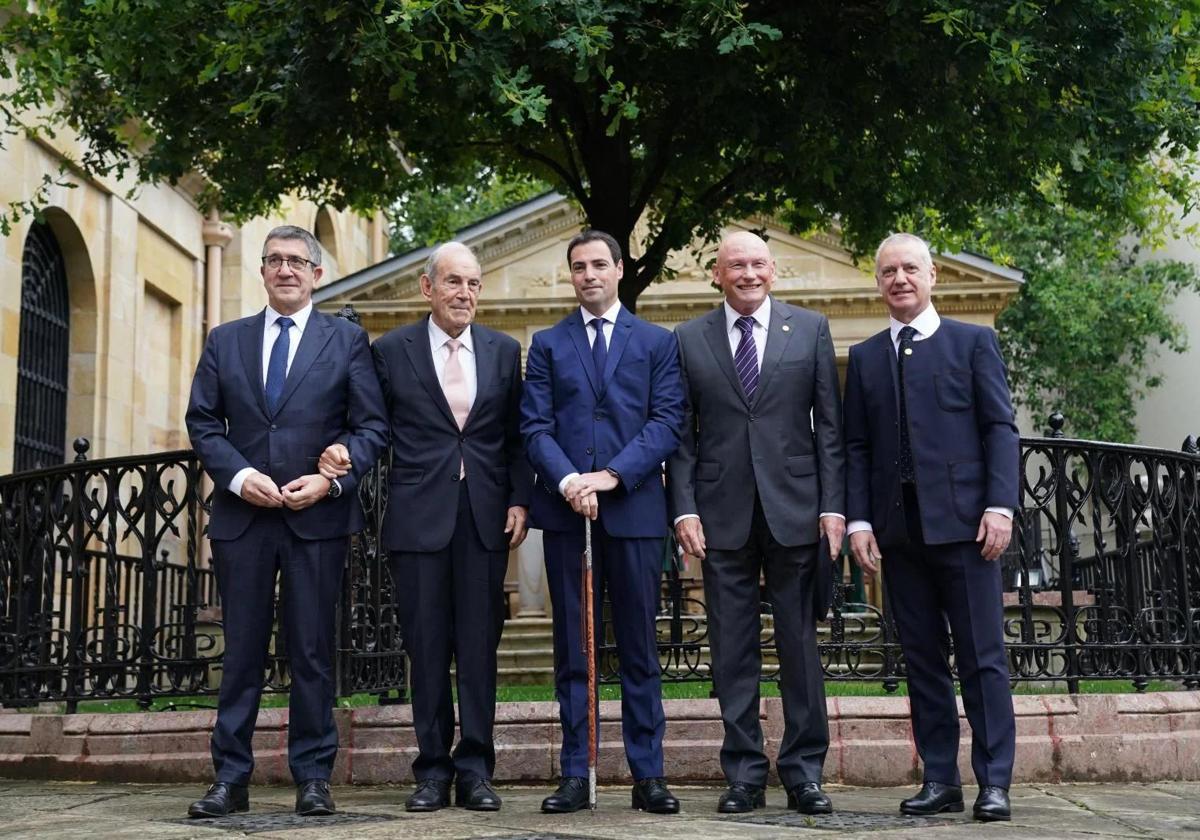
907	351
786	328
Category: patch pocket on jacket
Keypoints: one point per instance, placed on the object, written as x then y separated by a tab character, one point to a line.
968	482
405	475
954	391
798	465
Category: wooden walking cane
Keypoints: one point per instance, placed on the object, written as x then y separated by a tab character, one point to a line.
589	650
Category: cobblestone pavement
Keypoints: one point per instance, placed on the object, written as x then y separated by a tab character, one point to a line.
62	810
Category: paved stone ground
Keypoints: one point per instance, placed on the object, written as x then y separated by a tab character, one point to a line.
64	810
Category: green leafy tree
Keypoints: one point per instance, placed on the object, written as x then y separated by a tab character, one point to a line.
692	112
1082	332
432	214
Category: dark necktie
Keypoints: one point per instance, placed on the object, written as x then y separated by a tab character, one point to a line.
599	348
277	366
746	357
907	471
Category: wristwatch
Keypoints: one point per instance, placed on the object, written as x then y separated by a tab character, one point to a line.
335	489
613	473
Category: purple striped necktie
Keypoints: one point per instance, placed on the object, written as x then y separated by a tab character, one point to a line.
745	360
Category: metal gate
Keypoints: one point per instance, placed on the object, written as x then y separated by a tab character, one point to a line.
43	354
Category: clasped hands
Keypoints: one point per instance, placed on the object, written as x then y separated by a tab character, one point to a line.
299	493
581	491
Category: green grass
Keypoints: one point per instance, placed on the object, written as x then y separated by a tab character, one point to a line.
670	691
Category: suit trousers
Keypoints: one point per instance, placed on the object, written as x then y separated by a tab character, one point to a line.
731	591
631	568
929	586
310	574
451	605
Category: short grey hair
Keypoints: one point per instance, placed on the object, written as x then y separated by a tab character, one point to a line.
435	256
906	239
293	232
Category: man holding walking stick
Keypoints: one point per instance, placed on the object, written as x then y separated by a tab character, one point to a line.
602	409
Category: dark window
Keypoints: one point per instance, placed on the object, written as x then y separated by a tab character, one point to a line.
43	353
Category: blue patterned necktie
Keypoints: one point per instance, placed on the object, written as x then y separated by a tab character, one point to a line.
277	366
599	349
746	357
908	472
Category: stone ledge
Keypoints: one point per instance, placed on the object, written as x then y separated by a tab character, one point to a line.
1060	738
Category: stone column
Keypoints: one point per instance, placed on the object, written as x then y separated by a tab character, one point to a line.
217	235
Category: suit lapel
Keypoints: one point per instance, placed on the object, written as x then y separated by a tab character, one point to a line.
250	343
420	356
622	330
718	343
578	333
312	342
486	361
778	337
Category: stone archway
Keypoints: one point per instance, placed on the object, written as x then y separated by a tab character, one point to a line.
326	233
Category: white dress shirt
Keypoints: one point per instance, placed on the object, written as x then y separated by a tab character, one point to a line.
271	332
466	357
926	324
610	322
762	323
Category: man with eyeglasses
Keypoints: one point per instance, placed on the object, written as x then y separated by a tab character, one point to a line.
458	492
270	394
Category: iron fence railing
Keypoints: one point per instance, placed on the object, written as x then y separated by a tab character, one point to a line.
105	589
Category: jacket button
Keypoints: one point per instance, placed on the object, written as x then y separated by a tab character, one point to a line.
462	438
454	477
751	418
589	450
599	416
274	427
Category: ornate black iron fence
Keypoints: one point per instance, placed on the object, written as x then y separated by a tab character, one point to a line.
105	591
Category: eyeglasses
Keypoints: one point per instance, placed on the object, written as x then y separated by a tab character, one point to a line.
274	262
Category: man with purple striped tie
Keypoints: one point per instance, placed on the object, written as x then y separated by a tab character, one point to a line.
757	482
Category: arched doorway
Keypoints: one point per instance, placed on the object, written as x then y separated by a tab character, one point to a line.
43	354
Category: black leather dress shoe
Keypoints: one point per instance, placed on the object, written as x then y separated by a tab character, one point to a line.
933	798
430	795
741	798
992	805
221	800
477	796
313	798
808	798
652	796
571	796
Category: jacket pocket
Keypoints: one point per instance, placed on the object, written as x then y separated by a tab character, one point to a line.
405	475
953	389
707	471
802	464
968	482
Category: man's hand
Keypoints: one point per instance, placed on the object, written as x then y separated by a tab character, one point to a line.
260	490
305	491
334	461
586	505
689	533
517	525
865	551
594	482
995	531
834	530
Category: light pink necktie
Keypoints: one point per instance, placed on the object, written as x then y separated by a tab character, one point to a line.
454	383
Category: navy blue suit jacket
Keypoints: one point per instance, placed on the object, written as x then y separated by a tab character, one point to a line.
427	445
965	445
628	417
330	395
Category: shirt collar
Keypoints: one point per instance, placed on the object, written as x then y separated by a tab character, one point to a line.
610	315
300	319
761	316
925	324
438	337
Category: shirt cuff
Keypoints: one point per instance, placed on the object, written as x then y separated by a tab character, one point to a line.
859	525
235	486
1003	511
562	485
840	516
679	519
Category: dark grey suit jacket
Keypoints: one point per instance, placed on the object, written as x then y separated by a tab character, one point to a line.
786	442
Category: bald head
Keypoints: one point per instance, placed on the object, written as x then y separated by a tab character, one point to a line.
745	271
